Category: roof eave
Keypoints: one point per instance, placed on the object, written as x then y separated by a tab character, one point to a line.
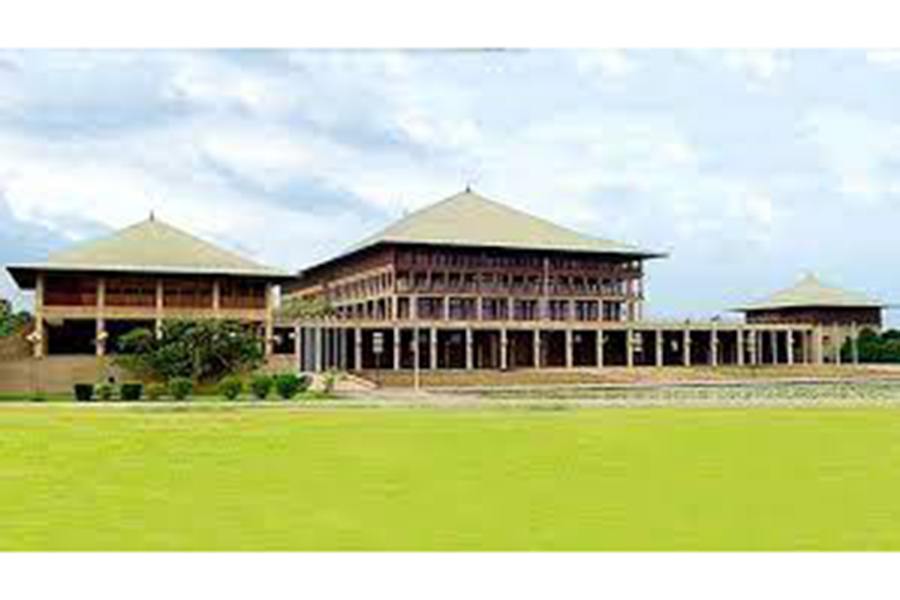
20	273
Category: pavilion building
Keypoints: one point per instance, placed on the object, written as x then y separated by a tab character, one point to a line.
89	295
837	314
470	283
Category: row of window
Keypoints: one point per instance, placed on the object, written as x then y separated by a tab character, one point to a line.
141	292
510	260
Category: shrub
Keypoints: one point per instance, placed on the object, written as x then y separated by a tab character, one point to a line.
261	385
180	387
84	392
132	391
104	391
155	391
231	387
328	382
287	385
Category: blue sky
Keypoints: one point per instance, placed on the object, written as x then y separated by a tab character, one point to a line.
749	167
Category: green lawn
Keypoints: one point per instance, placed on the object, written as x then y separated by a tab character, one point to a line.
367	479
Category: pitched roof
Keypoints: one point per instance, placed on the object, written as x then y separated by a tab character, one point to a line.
468	219
150	246
810	292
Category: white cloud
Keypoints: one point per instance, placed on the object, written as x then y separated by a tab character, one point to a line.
607	65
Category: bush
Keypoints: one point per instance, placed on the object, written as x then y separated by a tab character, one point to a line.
104	391
132	391
181	387
231	387
261	385
155	391
288	385
84	392
328	382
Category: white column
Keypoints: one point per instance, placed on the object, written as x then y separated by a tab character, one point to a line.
504	349
686	348
600	348
790	346
396	348
836	343
629	347
537	349
297	357
160	299
570	350
319	349
433	347
740	346
100	335
714	347
270	319
40	342
659	347
470	343
217	296
358	348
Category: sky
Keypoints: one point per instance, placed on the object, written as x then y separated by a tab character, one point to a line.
750	168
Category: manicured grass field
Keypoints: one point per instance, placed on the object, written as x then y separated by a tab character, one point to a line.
80	478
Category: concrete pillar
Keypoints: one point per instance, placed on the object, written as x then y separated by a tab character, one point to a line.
396	363
758	343
686	348
414	308
417	362
319	349
504	349
714	347
297	355
160	299
470	343
740	346
217	296
820	346
629	347
445	308
789	343
600	339
358	348
773	343
100	335
537	349
659	348
433	348
39	342
570	349
836	343
270	318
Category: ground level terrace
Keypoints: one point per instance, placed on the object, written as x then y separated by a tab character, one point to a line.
442	346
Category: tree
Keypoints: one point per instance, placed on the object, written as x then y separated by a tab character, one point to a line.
874	348
306	308
12	322
201	350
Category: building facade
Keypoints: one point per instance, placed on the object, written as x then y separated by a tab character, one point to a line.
469	283
88	296
838	314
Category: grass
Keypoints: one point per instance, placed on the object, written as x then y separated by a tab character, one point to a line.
427	479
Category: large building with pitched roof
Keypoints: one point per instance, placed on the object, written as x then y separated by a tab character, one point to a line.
88	295
470	283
